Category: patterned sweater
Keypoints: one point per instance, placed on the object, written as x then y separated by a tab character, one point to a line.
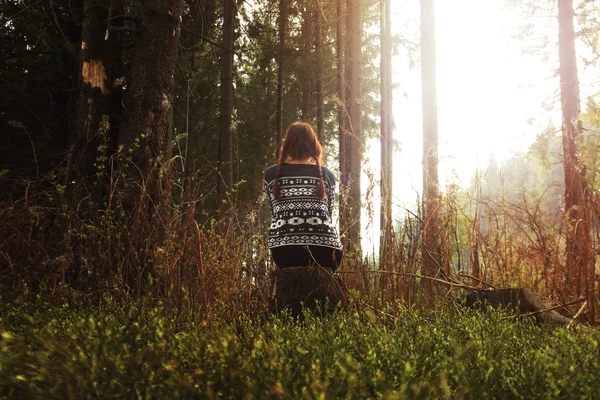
299	216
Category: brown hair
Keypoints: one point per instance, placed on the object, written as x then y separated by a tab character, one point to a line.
301	143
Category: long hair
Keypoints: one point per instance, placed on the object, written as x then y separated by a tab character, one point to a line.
301	143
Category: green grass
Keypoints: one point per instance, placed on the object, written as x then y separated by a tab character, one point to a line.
152	353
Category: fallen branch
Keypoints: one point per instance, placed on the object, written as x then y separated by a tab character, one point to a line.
577	314
372	271
551	308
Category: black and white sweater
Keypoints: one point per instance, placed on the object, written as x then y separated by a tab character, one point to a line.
300	217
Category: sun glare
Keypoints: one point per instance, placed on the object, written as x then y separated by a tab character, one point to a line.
490	96
490	92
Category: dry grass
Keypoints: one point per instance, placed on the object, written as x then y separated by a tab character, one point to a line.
60	247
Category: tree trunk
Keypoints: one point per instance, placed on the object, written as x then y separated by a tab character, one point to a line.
98	119
100	99
319	69
386	133
353	101
431	254
145	132
202	20
307	50
579	265
226	106
342	117
280	77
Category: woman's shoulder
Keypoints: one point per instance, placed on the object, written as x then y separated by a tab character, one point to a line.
270	173
327	173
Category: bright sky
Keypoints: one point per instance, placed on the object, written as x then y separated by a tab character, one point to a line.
490	94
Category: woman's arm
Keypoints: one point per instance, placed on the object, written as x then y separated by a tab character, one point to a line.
332	193
267	194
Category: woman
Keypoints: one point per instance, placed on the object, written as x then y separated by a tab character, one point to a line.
301	191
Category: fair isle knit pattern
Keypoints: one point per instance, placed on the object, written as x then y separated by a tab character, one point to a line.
300	217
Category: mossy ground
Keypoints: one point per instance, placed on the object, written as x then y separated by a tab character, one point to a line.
154	352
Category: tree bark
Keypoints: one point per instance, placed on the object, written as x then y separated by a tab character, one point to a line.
97	124
579	265
319	69
431	252
342	116
145	131
280	76
202	20
307	50
226	106
353	105
100	99
386	133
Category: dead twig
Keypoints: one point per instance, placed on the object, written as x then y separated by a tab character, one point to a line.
577	314
381	312
550	308
453	284
477	280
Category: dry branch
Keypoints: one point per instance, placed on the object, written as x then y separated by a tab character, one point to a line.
480	280
551	308
577	314
453	284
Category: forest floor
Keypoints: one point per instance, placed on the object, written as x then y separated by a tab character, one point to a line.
156	352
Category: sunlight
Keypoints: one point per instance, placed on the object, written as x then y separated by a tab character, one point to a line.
490	98
489	94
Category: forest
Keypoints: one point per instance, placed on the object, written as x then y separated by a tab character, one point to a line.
134	257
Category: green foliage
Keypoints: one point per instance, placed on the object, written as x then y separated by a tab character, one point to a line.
152	352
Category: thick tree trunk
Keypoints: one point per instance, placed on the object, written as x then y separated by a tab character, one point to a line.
226	106
431	253
280	76
386	133
579	260
353	105
145	131
100	99
319	69
98	119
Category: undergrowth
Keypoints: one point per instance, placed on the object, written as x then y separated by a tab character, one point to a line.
149	351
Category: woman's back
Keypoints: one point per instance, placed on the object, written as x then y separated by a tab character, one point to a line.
301	195
300	216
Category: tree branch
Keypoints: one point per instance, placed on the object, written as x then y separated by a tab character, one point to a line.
209	41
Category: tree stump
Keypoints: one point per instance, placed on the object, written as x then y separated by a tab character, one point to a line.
313	288
518	300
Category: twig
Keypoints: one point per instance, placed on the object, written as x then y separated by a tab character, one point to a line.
552	308
477	280
440	268
22	11
379	311
453	284
209	41
577	314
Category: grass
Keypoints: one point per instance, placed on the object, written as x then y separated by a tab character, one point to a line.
149	352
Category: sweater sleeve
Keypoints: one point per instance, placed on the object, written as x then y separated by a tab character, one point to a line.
268	195
331	195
